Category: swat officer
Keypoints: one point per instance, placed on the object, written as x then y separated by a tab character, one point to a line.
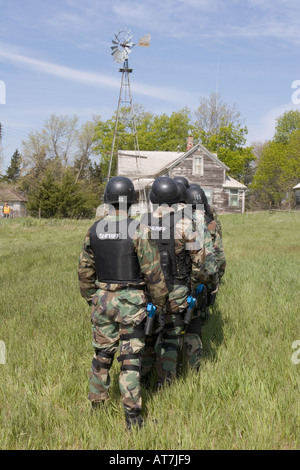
210	211
196	196
192	337
116	265
183	261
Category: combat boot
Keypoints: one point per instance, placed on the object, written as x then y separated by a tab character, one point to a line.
133	418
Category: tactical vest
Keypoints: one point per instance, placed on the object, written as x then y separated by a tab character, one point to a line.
174	267
115	257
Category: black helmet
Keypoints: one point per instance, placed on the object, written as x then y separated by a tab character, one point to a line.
182	191
164	191
196	195
194	185
117	189
181	179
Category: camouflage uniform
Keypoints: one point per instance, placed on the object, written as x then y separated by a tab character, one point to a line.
203	263
215	229
118	311
192	338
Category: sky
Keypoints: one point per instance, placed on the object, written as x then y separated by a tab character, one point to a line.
55	58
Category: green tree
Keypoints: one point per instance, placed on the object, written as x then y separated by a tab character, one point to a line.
286	125
160	132
43	200
229	145
62	199
278	168
13	171
74	200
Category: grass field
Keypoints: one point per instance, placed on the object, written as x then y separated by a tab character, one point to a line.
245	395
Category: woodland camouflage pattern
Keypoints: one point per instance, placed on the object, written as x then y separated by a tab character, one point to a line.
198	241
216	236
119	309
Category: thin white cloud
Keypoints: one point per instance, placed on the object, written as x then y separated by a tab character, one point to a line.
91	78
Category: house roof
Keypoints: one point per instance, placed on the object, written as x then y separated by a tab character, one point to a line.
151	164
231	183
147	164
8	195
297	186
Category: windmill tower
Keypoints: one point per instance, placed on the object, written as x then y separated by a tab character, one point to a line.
121	48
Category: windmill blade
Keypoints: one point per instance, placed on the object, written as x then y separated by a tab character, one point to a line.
119	56
129	44
122	45
128	50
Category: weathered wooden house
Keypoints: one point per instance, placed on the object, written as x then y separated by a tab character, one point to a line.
197	164
296	190
15	200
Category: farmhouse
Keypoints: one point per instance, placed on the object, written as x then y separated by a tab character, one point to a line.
197	164
16	202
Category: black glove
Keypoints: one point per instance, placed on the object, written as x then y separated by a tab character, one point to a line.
161	323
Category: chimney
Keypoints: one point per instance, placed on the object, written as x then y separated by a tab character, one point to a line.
190	142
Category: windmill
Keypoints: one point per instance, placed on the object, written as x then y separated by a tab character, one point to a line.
121	48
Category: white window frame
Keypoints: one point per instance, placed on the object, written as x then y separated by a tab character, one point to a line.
197	167
234	195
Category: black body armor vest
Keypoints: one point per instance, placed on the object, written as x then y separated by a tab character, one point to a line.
175	267
115	257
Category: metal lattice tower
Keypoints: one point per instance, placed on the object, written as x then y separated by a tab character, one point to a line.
121	48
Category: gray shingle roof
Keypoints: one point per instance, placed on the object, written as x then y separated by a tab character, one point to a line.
8	195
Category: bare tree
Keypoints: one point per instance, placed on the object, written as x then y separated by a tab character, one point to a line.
60	133
212	113
85	142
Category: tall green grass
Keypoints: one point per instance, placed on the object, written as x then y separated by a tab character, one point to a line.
245	395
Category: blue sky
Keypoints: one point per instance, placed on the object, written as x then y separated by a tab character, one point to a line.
55	57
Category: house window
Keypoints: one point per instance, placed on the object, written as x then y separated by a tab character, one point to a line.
297	193
198	166
208	194
233	198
